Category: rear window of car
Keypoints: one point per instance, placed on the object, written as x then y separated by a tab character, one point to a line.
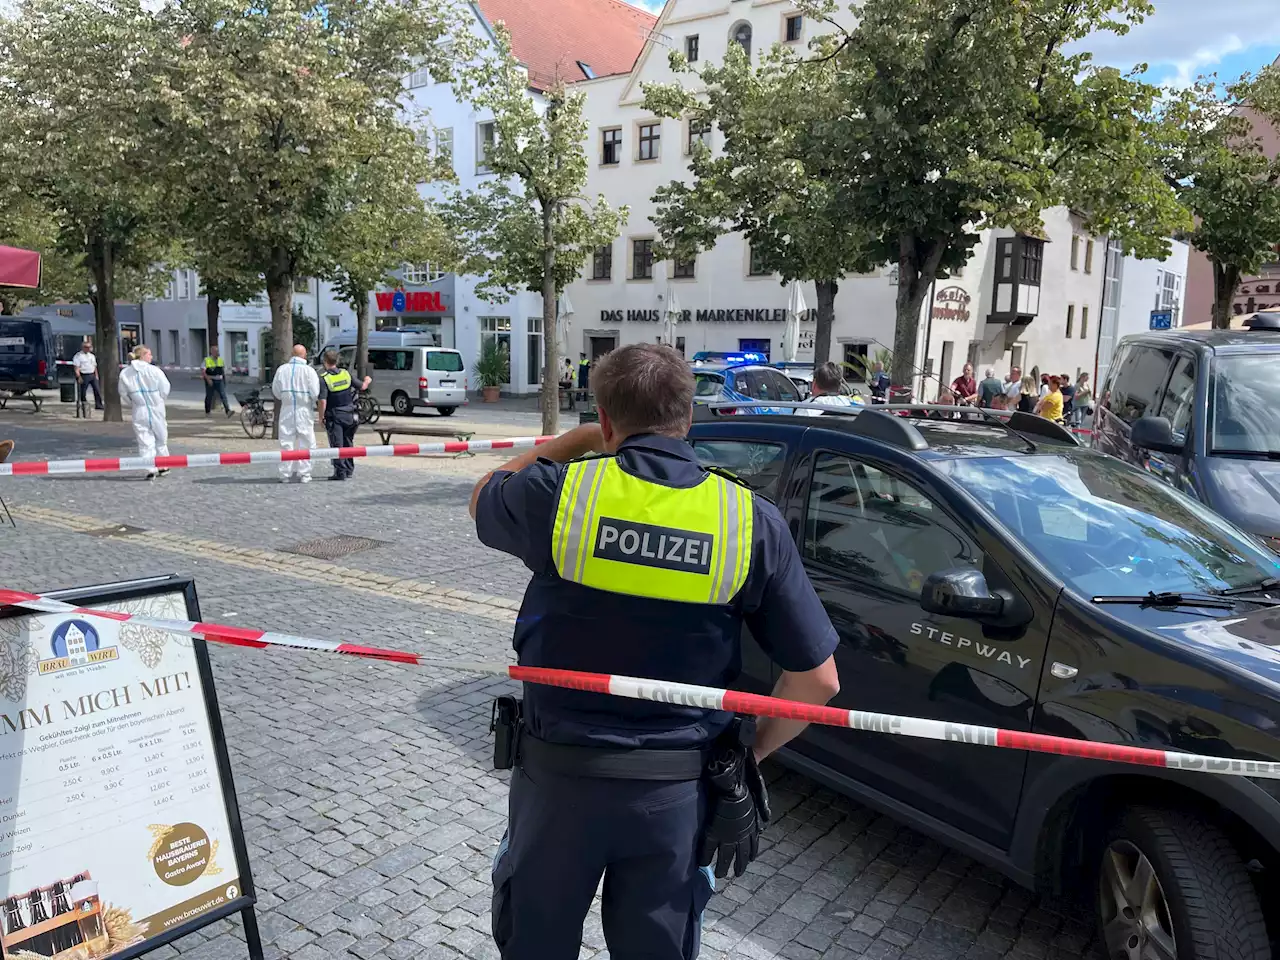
446	361
758	465
707	384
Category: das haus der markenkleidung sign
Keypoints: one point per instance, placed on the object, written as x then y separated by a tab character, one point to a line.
736	315
119	828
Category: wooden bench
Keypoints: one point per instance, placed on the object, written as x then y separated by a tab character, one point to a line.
6	396
422	430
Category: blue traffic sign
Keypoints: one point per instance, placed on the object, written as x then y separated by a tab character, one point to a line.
1161	319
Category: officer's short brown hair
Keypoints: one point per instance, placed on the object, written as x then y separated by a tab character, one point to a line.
827	377
644	388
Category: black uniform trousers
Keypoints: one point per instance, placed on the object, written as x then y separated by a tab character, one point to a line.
342	433
564	833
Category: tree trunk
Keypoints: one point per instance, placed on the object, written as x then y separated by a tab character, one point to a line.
550	399
102	263
826	317
362	335
918	260
279	277
1226	282
212	307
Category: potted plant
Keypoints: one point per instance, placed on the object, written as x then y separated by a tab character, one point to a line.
493	369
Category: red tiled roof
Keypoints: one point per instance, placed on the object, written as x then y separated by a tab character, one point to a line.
550	36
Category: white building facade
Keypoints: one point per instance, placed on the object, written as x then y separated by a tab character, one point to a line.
1034	303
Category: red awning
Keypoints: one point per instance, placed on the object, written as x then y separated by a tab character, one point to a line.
19	268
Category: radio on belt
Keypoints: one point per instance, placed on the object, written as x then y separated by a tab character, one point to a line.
505	724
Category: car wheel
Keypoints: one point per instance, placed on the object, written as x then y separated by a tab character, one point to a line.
1171	886
400	403
445	411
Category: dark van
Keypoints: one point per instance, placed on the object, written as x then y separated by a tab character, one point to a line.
1201	410
28	360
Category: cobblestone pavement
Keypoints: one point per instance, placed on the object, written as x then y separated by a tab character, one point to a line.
369	806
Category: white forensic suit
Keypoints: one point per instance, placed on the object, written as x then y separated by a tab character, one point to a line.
297	388
144	388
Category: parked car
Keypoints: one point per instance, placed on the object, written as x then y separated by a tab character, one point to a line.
746	382
28	357
409	371
1000	574
1201	411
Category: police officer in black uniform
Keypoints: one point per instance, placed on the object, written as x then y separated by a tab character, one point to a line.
338	410
644	564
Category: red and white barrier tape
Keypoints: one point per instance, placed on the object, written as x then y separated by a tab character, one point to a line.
161	366
711	698
113	464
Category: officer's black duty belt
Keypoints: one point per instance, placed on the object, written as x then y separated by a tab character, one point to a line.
570	760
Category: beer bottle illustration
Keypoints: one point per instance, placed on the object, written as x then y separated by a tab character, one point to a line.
67	935
13	916
41	943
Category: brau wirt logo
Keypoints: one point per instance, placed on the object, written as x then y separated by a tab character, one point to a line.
75	644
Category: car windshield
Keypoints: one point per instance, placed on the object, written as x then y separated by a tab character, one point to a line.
707	384
1246	404
1105	527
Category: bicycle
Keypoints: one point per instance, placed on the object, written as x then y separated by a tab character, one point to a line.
368	410
255	416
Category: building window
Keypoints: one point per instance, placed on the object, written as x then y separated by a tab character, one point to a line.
1075	253
175	348
420	77
741	35
642	259
1032	259
1088	257
1071	318
418	273
589	72
699	132
650	141
794	27
691	48
444	147
683	269
756	266
1084	321
170	291
611	146
602	263
335	321
486	137
301	284
533	359
497	330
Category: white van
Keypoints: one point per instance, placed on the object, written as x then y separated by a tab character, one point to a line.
409	371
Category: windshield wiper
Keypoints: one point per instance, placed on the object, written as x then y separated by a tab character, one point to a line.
1261	586
1170	599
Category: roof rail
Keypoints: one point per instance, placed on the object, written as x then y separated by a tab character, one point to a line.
1020	422
888	429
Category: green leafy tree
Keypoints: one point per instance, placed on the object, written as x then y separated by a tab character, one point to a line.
85	140
777	177
387	225
529	227
958	115
1226	179
278	106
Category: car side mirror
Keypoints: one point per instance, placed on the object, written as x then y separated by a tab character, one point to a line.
1155	433
963	592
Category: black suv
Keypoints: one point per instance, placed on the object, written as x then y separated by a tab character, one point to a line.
996	573
1201	411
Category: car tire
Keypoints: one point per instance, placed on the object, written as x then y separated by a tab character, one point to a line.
445	411
1197	899
400	403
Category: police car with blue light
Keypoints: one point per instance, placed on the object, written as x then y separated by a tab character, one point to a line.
986	569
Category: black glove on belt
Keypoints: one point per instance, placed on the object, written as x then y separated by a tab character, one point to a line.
739	809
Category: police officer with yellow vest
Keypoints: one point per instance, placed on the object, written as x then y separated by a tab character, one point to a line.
214	374
337	409
648	565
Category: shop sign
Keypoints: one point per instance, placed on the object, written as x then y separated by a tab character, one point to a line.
952	303
748	315
417	301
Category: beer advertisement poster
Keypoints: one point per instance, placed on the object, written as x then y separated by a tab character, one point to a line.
118	830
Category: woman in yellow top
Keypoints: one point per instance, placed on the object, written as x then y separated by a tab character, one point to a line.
1050	405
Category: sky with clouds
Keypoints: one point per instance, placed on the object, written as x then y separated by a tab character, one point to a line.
1185	38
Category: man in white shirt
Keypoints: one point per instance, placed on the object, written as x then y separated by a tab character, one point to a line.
825	391
297	388
1013	387
86	367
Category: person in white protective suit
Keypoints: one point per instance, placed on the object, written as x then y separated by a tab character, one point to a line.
144	388
297	388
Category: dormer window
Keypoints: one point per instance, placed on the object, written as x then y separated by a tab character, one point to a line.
586	70
1016	292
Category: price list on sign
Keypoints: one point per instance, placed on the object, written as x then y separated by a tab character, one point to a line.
115	828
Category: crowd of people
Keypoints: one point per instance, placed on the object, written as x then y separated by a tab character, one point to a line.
1055	397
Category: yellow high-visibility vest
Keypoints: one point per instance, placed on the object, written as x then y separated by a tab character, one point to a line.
211	363
617	532
337	380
